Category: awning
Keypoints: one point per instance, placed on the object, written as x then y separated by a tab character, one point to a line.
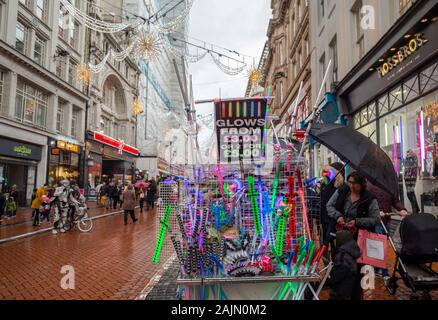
328	112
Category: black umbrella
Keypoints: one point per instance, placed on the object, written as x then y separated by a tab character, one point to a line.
360	153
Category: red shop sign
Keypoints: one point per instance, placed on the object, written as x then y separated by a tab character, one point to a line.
115	143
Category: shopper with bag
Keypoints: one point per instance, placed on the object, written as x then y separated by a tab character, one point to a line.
129	203
354	208
141	197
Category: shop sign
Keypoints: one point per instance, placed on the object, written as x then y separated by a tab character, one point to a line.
401	55
119	145
67	146
17	149
239	127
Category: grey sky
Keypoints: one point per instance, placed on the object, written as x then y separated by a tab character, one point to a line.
239	25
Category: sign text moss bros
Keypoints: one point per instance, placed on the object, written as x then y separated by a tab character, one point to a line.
402	54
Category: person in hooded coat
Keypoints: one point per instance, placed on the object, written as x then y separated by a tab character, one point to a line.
337	171
343	276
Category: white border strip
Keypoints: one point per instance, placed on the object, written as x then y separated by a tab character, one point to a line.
25	235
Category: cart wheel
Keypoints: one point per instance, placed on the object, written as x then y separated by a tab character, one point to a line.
392	285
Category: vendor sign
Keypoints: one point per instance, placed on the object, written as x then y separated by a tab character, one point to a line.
239	128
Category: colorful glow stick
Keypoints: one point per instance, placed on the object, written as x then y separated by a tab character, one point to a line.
401	139
291	207
275	187
268	219
395	153
164	226
303	202
252	193
280	234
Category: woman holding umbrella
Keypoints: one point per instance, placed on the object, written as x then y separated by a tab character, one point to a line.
354	207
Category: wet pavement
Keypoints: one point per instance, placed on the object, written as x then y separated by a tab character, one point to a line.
113	261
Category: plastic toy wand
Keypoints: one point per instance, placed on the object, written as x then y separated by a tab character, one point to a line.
164	226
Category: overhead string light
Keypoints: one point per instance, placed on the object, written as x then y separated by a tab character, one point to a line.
176	22
93	23
118	56
227	69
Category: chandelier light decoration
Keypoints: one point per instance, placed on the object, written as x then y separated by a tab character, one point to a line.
138	107
83	73
255	76
147	45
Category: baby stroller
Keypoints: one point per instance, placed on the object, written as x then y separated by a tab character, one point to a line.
416	253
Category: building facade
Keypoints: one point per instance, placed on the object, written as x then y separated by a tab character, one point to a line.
112	122
42	103
343	32
287	66
391	96
162	128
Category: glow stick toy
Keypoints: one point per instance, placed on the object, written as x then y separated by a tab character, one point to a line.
291	207
255	211
280	234
303	202
268	220
164	226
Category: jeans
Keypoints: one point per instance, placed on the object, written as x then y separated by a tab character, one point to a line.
36	218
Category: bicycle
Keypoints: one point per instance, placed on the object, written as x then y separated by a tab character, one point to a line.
78	216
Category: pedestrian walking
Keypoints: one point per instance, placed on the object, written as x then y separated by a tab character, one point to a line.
14	195
129	203
141	198
37	202
150	196
2	204
31	201
45	209
354	207
11	207
341	280
120	190
114	195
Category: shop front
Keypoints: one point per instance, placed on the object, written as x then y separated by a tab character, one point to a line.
394	101
64	161
18	168
112	160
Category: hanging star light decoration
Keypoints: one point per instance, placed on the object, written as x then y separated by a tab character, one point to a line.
147	46
138	107
255	76
83	73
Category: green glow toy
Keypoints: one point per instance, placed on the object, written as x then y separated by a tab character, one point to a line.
164	226
255	209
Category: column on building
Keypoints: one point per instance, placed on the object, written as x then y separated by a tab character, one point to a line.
9	93
51	116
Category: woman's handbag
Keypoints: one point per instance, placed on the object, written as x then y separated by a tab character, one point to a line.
103	200
374	249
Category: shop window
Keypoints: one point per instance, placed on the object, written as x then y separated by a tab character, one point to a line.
369	131
411	89
409	137
429	78
74	123
59	118
41	9
39	53
30	105
383	104
395	98
21	38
